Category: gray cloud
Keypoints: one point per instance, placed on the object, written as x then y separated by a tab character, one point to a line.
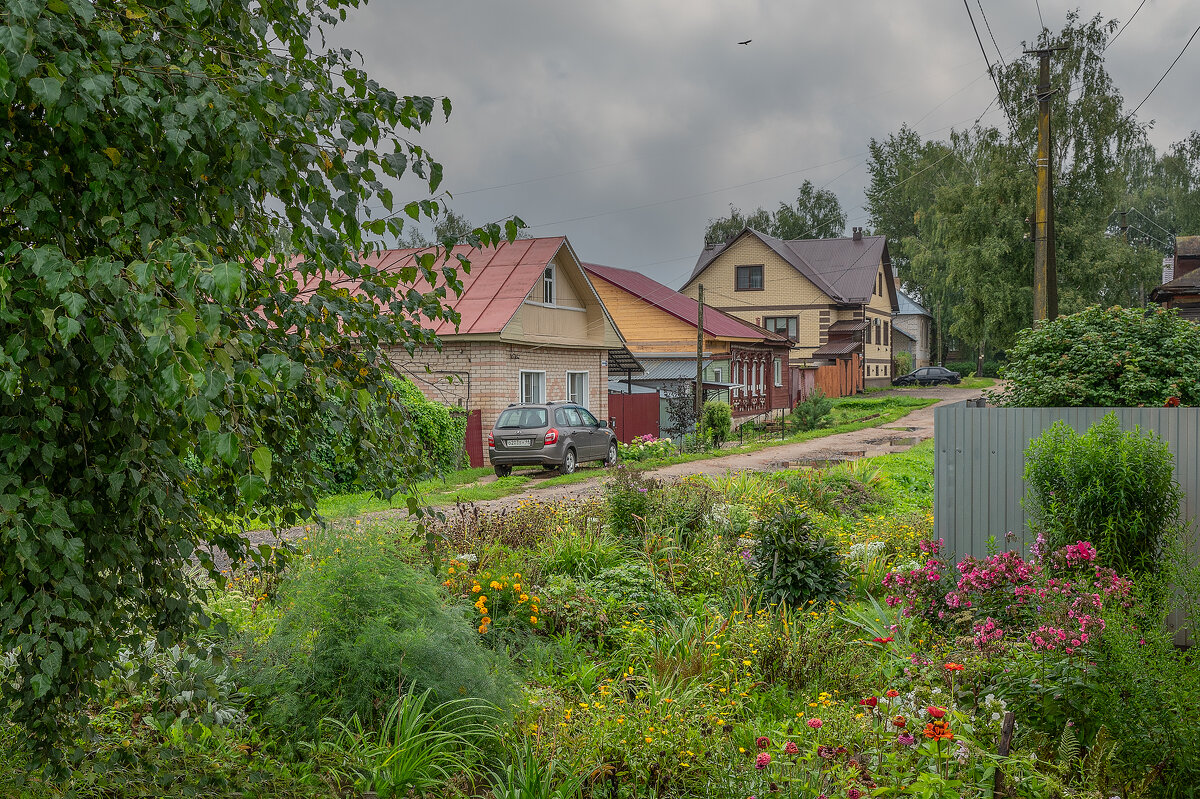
647	101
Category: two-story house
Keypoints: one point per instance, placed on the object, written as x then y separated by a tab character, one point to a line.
833	297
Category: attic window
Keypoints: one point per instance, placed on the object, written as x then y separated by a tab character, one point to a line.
748	278
548	285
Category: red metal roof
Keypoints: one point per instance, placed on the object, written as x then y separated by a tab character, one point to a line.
499	280
716	324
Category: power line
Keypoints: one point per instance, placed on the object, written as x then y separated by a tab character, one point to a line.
1151	221
1168	72
1123	27
987	61
1041	21
988	25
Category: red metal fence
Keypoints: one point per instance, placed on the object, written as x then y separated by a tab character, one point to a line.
474	438
634	415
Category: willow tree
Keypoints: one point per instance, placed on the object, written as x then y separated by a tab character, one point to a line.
161	162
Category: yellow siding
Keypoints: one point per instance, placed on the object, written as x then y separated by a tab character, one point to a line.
783	285
648	328
563	326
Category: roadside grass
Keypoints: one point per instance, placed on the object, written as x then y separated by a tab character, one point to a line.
977	382
848	414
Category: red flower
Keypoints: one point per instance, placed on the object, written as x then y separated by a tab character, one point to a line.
870	701
892	694
899	722
938	730
791	748
887	640
936	712
1172	402
762	761
762	742
955	667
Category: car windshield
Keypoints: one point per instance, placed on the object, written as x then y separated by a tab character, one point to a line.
514	418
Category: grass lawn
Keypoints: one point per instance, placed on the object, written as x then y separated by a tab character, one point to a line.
849	414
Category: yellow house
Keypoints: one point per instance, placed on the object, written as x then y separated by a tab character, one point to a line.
833	297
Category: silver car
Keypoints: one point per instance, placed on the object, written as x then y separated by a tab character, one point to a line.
553	435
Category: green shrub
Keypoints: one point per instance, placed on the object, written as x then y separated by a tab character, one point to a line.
1116	489
967	368
628	495
684	506
356	623
904	363
791	565
718	421
631	589
812	411
1120	357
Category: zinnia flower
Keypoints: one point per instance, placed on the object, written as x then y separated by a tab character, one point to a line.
762	742
870	701
936	712
762	761
892	694
791	748
815	723
899	722
906	739
955	667
853	793
887	640
938	730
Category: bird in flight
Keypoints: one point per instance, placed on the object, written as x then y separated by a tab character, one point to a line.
746	42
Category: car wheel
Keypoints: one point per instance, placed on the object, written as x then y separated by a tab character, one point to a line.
611	460
549	466
503	471
568	464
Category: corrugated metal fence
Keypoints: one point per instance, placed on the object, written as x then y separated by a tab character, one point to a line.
980	457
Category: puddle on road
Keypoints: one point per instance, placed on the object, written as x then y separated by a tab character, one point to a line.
910	441
805	463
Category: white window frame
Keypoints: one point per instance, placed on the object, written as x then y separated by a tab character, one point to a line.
521	385
716	374
549	287
587	387
778	372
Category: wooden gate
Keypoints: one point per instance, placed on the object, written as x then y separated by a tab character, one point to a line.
842	378
474	438
633	415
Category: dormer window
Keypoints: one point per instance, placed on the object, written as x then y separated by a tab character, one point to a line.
548	285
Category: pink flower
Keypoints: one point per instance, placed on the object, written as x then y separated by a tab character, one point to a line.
853	793
791	748
762	742
762	761
815	723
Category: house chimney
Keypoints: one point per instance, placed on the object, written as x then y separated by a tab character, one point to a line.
857	234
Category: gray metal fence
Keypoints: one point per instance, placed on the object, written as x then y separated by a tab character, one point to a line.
980	457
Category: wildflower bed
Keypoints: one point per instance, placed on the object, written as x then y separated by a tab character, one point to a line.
622	647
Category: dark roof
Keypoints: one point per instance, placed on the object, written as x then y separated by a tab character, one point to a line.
843	268
622	360
898	332
670	368
837	348
1187	284
848	326
1187	246
716	324
909	306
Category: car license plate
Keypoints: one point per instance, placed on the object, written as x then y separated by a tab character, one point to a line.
519	442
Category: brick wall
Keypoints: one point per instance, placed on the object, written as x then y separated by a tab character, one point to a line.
485	375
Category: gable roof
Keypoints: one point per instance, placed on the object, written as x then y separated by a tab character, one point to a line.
683	308
1187	284
910	306
493	291
842	268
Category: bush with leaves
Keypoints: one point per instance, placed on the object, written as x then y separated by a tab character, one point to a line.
1114	488
792	565
812	411
1115	357
162	163
718	422
358	622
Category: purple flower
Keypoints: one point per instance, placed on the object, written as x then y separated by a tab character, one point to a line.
906	739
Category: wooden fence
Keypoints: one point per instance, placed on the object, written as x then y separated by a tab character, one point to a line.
980	460
842	378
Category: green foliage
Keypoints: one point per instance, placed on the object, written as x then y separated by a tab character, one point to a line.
791	565
1119	357
631	589
162	162
968	368
1113	488
413	750
628	495
812	411
816	214
356	622
527	777
903	361
717	422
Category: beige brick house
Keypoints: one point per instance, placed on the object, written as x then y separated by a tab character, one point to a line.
834	297
533	329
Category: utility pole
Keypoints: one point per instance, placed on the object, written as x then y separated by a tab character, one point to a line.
1125	226
700	356
1045	276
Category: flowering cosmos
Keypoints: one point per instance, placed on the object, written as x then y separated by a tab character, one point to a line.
762	761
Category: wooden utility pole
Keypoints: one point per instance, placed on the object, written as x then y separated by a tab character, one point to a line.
700	356
1045	276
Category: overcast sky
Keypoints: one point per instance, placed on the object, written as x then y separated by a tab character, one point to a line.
626	124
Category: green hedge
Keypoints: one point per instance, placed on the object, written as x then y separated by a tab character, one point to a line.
967	368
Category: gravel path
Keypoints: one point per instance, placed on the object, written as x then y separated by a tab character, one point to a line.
889	437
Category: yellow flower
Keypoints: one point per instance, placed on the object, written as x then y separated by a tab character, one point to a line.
745	663
533	619
486	620
516	586
649	740
482	629
475	589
